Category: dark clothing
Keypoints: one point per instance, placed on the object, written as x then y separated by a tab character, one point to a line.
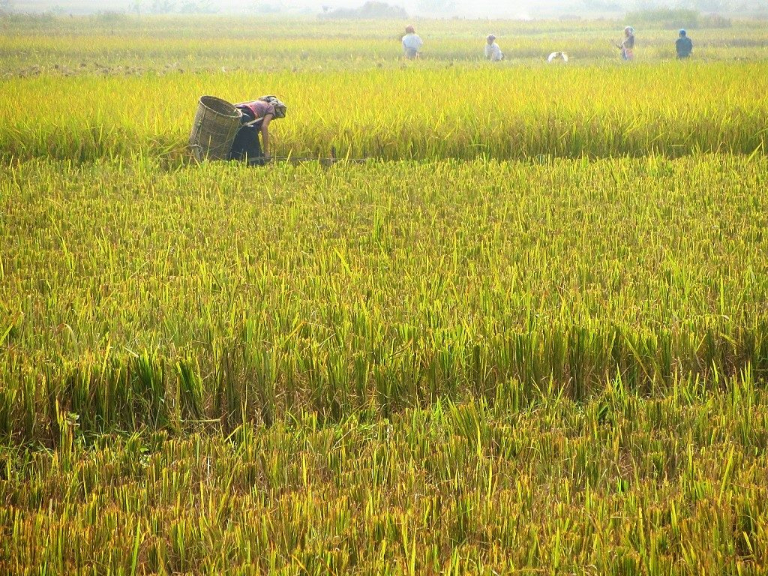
627	47
683	47
246	145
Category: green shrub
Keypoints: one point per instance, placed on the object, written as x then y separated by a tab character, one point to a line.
665	18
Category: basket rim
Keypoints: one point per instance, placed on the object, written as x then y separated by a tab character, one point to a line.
235	113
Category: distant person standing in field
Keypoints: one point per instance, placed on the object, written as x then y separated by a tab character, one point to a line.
411	43
628	45
683	45
492	50
257	114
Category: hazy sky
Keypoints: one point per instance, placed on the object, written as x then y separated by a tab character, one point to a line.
475	8
468	8
472	8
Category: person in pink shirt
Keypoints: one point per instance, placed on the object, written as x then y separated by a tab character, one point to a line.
257	115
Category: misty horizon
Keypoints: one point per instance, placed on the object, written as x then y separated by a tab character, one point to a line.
491	9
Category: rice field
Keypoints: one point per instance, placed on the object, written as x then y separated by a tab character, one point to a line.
528	334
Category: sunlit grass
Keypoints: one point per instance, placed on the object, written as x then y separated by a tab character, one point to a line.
618	485
133	291
529	335
407	114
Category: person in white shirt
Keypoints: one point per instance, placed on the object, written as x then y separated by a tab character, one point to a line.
492	50
557	57
411	43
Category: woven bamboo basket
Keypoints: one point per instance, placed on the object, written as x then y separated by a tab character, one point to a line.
213	132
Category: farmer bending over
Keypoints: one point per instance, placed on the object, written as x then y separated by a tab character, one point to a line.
557	57
257	115
492	50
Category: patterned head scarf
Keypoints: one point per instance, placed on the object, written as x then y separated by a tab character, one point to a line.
280	108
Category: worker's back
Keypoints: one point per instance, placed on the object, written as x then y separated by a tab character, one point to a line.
684	47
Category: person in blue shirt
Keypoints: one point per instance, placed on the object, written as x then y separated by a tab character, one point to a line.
684	46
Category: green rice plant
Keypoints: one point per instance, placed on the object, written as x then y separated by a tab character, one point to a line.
538	345
361	497
541	279
190	389
527	112
176	46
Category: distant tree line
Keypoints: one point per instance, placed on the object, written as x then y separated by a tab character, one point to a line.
369	11
731	7
679	18
182	7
